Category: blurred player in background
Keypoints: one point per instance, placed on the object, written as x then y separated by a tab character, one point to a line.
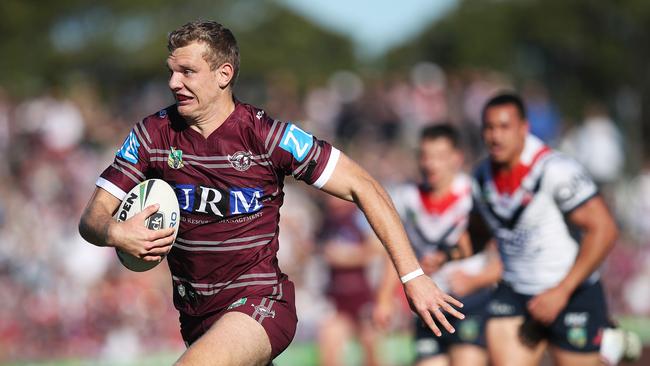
348	253
435	214
553	231
227	161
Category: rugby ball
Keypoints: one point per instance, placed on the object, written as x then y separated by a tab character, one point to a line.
145	194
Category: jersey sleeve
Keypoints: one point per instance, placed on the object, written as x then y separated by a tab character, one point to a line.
569	183
130	164
295	152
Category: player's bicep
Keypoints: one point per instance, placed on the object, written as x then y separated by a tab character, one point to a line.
347	177
95	220
591	214
101	202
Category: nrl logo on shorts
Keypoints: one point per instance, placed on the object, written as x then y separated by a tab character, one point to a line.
175	159
241	160
264	311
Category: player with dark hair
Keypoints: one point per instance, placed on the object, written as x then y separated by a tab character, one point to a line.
435	214
553	231
227	161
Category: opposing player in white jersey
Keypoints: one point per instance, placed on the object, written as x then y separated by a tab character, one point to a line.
553	231
435	214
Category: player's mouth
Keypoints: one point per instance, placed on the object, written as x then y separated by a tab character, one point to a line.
495	148
183	99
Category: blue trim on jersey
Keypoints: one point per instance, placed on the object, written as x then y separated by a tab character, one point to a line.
296	141
129	149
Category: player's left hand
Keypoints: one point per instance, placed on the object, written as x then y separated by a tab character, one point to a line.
425	298
546	306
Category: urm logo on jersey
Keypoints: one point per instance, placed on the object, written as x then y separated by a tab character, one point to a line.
218	201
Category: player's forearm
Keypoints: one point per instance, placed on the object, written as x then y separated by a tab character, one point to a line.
382	216
95	225
595	246
490	275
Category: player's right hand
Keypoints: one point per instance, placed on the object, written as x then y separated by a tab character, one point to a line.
426	299
133	237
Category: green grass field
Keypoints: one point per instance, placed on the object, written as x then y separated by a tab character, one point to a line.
395	350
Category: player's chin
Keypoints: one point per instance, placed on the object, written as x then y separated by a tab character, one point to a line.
185	108
498	157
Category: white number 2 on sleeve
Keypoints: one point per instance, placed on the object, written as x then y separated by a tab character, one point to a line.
296	141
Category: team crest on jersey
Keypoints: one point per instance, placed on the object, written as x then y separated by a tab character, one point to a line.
175	159
162	113
241	160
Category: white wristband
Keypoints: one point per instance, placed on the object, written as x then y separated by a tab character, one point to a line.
409	276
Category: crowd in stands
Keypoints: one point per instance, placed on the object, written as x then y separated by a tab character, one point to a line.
61	297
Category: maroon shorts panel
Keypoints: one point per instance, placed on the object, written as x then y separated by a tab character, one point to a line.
275	312
357	306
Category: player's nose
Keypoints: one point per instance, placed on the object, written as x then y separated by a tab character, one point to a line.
174	81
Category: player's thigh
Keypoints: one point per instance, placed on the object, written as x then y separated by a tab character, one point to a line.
334	329
563	357
505	347
437	360
468	354
333	333
234	339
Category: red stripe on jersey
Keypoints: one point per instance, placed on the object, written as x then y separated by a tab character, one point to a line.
507	181
438	205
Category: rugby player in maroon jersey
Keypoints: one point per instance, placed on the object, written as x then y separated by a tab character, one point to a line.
227	161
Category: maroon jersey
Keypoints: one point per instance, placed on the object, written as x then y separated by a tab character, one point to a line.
229	188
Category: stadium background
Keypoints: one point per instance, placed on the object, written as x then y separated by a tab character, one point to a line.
76	75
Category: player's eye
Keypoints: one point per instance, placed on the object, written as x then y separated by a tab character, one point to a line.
188	72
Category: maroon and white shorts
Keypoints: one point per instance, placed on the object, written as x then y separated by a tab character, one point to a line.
276	313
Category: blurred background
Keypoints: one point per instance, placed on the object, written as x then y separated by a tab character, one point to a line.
364	75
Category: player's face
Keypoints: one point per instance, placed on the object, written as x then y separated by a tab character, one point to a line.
504	133
439	161
194	85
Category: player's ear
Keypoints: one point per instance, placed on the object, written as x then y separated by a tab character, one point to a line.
225	72
459	157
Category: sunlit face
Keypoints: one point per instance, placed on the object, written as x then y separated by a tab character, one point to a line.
439	161
504	133
194	85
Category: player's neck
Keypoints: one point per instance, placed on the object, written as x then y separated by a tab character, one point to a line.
508	166
214	117
442	188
